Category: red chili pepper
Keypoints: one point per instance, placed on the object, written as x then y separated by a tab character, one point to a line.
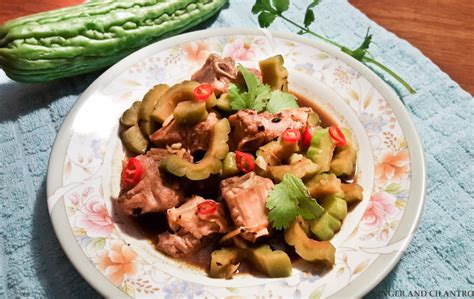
291	135
306	138
337	136
207	207
203	92
132	173
245	162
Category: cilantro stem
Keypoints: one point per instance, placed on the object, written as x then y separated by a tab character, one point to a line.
390	72
307	30
364	59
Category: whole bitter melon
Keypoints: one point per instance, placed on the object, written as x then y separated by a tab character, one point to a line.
92	36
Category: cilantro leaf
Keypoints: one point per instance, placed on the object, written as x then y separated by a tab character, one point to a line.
281	5
256	96
283	208
265	19
310	209
288	199
309	14
267	13
250	80
280	100
238	101
261	5
263	95
360	52
308	18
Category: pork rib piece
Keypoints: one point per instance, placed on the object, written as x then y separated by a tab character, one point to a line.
187	218
190	227
178	245
192	137
218	72
246	197
156	191
251	130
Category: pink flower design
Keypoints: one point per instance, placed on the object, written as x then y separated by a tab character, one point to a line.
381	206
196	52
393	166
94	218
239	50
117	262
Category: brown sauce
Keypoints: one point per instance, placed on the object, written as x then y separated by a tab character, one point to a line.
202	258
155	223
152	224
326	119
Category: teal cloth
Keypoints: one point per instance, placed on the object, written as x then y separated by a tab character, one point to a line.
440	257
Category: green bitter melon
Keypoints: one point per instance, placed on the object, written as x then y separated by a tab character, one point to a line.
92	36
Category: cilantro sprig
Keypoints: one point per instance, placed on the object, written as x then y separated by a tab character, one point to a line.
290	199
280	100
269	10
258	96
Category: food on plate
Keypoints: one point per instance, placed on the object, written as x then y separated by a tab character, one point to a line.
91	36
247	175
274	73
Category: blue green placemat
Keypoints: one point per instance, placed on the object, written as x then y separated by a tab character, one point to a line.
32	263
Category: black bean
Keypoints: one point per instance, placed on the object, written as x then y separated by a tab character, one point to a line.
276	120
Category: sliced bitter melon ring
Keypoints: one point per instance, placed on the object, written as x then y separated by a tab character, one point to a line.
309	249
146	124
177	93
210	164
274	73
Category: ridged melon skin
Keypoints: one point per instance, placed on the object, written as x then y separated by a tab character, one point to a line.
91	36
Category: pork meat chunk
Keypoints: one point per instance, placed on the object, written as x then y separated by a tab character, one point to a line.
158	154
178	245
156	191
186	218
190	228
246	197
218	72
251	130
192	137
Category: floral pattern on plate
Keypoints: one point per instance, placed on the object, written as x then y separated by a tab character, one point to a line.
105	246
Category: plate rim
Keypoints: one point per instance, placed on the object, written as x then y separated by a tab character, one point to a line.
417	158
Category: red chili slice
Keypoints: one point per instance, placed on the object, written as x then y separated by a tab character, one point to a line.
203	92
245	162
132	173
337	136
306	138
207	207
291	135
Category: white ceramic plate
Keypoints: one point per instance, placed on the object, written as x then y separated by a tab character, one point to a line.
85	166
